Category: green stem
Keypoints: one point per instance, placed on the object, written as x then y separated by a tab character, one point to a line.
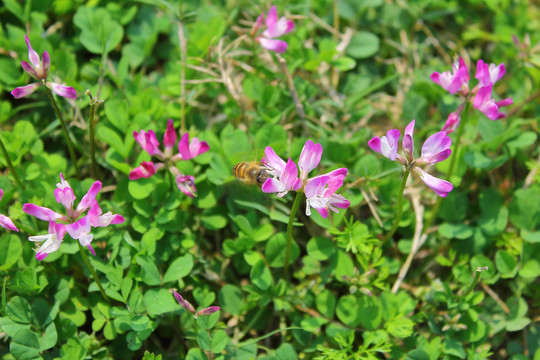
82	250
252	322
474	282
292	216
399	206
91	131
64	129
10	165
454	156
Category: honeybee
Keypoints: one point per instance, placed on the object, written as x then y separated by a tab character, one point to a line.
253	172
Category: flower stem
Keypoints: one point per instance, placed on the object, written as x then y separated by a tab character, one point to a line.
10	165
454	156
399	206
94	102
474	282
82	250
292	216
64	129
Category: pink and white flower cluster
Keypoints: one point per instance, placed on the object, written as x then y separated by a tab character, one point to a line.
320	190
186	150
76	223
6	222
274	28
39	70
186	305
435	149
457	81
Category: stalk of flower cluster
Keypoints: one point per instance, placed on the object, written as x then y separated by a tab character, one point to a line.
94	102
474	281
10	165
399	207
455	155
292	216
82	251
71	150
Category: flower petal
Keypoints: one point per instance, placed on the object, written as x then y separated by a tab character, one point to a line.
24	90
439	186
169	139
89	197
63	90
279	46
43	213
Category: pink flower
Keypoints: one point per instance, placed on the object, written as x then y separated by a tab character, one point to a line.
488	106
435	149
452	123
78	227
320	195
319	190
148	141
186	150
189	150
453	81
186	305
386	145
488	74
286	181
6	222
274	29
51	241
145	170
186	184
309	158
39	70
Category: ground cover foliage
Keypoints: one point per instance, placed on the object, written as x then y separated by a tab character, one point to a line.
455	278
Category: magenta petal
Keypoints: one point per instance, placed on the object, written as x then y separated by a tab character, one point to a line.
439	186
273	185
24	90
45	63
30	70
408	140
184	303
32	54
279	46
7	223
42	213
290	175
169	139
273	161
375	144
208	311
271	17
310	157
65	91
389	144
145	170
87	199
322	211
435	144
183	147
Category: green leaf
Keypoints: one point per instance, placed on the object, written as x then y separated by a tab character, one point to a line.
215	218
49	338
10	251
326	303
276	248
286	352
363	45
203	339
149	271
10	327
525	208
453	347
347	310
270	135
142	188
230	299
196	354
417	355
456	231
18	309
100	33
531	269
24	345
159	301
320	248
400	327
506	264
179	268
260	275
219	341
